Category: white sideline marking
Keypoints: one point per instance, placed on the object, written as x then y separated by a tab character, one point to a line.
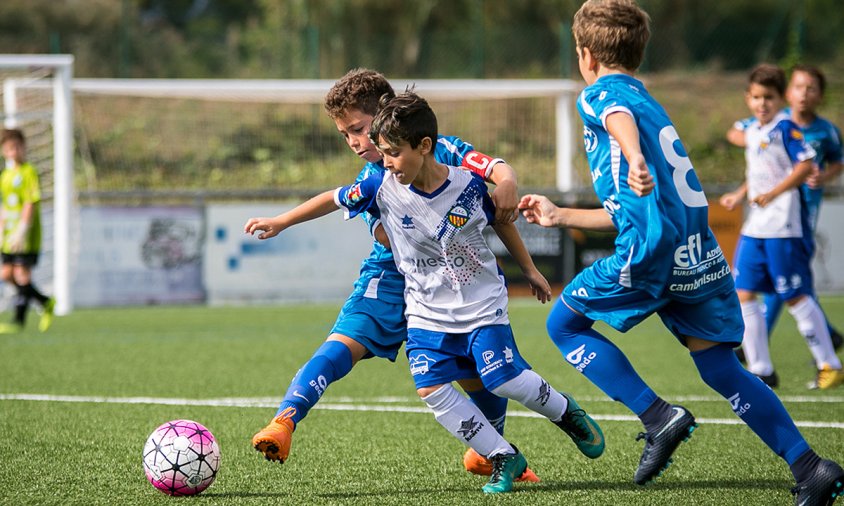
264	402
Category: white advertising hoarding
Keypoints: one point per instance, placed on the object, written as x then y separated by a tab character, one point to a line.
314	261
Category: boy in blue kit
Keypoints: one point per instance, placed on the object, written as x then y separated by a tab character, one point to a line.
666	260
458	327
776	244
371	322
804	95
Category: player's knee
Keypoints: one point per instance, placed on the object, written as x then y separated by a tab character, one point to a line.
563	324
337	355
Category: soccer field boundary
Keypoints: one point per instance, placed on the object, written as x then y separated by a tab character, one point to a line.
389	405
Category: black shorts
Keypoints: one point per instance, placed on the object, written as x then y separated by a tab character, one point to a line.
27	259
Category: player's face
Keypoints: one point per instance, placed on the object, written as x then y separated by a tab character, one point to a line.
13	150
403	161
354	127
803	93
764	102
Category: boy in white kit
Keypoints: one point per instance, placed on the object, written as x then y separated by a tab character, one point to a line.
458	325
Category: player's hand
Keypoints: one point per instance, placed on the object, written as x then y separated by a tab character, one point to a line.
17	241
538	209
814	179
639	177
270	227
506	200
381	236
729	201
539	286
763	199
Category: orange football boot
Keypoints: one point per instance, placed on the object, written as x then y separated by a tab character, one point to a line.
481	466
274	440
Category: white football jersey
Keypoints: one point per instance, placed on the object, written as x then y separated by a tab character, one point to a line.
771	152
452	280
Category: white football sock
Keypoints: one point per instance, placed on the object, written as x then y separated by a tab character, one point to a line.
465	421
755	343
812	325
529	389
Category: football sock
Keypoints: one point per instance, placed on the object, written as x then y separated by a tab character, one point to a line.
30	291
811	324
805	465
755	403
330	362
772	307
656	414
492	406
466	422
529	389
755	342
21	306
597	358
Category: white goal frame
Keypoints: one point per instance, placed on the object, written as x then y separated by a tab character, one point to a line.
62	122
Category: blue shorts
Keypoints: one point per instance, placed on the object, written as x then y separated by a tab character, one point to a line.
488	352
781	266
714	318
379	326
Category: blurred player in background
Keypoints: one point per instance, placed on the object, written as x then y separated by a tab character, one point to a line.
372	322
804	94
666	260
20	222
457	318
775	248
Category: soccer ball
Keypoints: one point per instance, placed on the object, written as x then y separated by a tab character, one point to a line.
181	457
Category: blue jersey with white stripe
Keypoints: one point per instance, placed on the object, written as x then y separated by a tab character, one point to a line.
379	278
664	245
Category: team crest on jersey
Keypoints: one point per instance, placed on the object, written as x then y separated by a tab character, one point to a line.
458	216
796	134
354	195
590	139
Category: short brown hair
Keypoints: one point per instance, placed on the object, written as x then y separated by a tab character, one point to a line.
768	75
12	134
359	89
404	118
616	32
813	71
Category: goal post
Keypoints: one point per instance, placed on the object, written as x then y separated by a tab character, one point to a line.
21	74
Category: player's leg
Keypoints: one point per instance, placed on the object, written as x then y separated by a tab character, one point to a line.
790	268
364	328
434	365
7	274
505	373
753	275
718	320
27	292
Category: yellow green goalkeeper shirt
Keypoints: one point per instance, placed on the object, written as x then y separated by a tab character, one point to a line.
18	186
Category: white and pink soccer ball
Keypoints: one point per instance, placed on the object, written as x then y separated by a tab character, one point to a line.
181	457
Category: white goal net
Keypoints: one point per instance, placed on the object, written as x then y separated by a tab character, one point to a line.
36	99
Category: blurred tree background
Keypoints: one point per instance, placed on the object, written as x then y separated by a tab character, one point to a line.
696	63
288	39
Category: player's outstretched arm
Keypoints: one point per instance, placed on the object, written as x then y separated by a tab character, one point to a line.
623	128
793	180
540	210
539	286
736	137
819	179
505	196
311	209
734	198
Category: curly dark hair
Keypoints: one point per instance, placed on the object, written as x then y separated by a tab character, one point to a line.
359	89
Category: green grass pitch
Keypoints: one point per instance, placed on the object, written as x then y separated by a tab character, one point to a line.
372	442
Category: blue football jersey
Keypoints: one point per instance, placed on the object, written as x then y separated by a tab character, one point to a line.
664	245
379	277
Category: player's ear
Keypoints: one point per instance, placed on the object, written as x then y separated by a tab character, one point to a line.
426	146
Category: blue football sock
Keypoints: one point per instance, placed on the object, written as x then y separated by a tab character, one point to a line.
751	400
330	362
492	406
597	358
773	307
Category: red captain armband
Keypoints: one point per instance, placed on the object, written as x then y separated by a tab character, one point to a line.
478	163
